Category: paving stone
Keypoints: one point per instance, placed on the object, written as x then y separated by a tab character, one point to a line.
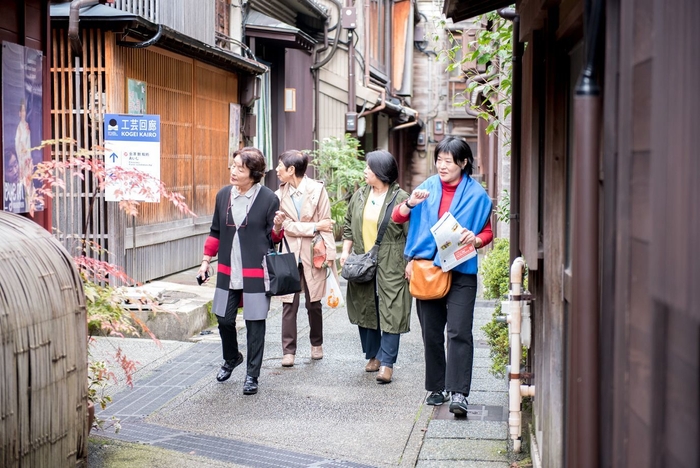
484	372
474	413
460	464
467	429
490	384
227	450
464	449
488	398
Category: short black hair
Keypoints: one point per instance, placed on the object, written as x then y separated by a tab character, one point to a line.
384	166
460	151
253	159
296	159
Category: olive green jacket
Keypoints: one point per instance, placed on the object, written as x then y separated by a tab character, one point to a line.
392	287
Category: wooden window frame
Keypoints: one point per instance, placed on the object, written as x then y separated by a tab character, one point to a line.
380	13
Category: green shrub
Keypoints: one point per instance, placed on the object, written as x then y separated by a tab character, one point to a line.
338	164
496	278
496	270
497	334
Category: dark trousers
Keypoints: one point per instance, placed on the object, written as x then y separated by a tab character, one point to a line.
289	320
451	370
380	345
255	335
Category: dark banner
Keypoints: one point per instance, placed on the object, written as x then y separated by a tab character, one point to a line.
22	124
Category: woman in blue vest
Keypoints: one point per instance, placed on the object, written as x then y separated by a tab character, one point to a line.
451	189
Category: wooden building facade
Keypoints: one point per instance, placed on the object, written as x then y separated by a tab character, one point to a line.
27	24
337	59
190	84
606	221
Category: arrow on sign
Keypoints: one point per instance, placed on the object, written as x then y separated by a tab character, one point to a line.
114	157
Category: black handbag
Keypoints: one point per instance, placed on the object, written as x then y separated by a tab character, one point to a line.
282	272
361	268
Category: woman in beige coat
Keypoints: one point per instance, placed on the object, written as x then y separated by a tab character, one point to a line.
305	218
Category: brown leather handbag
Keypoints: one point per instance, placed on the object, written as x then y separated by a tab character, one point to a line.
429	281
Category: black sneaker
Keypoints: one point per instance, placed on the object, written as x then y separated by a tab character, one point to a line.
458	406
437	398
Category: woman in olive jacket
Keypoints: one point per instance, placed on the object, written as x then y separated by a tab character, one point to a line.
381	308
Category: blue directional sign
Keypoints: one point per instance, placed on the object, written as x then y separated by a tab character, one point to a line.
141	128
132	142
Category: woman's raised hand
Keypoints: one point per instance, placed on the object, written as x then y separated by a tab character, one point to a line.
280	216
418	196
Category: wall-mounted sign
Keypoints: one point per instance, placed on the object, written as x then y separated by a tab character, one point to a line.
136	96
132	142
290	99
22	125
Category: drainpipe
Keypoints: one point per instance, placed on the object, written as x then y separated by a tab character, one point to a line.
583	417
518	319
315	68
510	14
73	24
381	106
475	95
352	105
480	78
365	20
317	106
143	44
330	55
407	124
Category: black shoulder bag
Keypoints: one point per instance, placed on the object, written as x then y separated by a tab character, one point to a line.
363	268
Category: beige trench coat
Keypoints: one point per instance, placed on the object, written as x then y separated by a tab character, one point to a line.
300	231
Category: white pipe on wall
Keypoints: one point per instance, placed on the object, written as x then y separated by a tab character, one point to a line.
516	391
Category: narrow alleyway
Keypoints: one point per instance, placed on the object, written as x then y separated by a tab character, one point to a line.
318	413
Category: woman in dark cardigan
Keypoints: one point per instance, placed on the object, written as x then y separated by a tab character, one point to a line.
241	233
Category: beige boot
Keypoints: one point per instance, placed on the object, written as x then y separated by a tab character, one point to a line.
384	375
372	365
288	360
317	352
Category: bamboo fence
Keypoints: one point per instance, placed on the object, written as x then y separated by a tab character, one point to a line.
43	350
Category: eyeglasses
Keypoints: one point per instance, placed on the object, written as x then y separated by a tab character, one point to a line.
232	223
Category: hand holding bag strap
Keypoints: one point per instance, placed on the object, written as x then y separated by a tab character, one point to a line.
385	221
284	239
